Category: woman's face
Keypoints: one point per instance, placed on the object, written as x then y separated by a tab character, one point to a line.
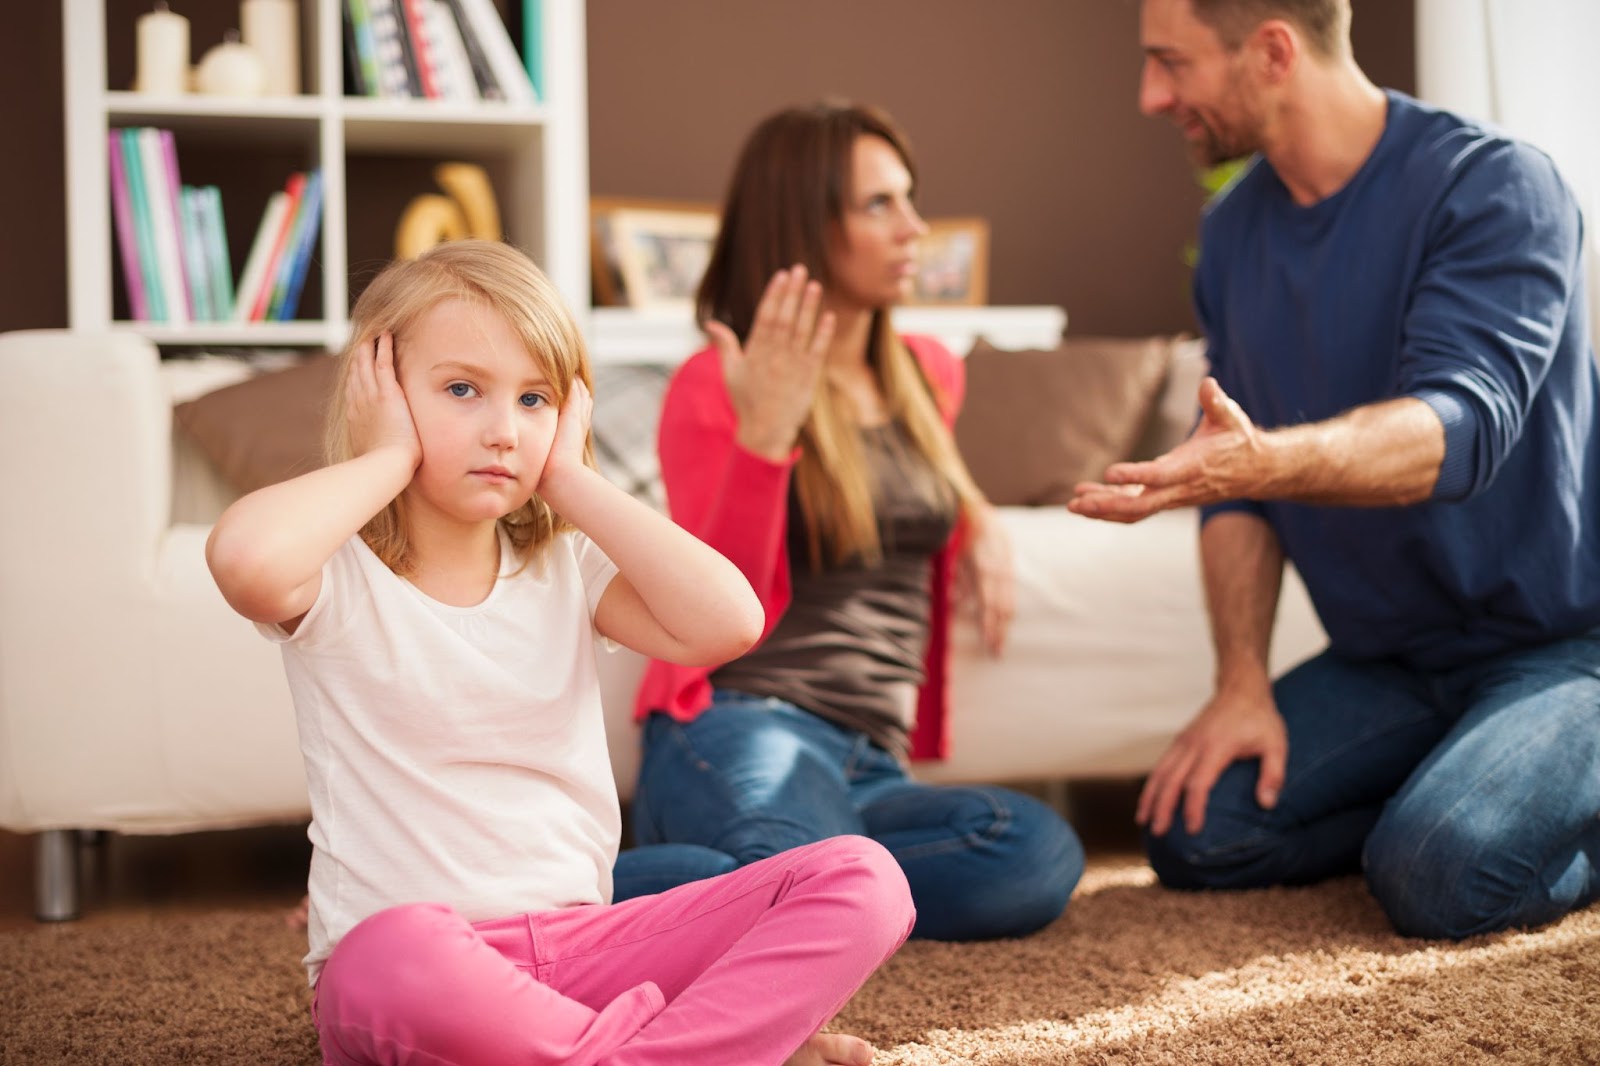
875	247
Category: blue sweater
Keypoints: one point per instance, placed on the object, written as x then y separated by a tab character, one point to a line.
1448	269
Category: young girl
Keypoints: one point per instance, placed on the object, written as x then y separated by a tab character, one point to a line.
438	591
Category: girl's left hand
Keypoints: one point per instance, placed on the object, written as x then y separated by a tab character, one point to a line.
990	575
572	433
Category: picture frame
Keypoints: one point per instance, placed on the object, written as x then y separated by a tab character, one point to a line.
952	264
649	252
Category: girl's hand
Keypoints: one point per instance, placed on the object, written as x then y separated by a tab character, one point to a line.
375	405
772	379
572	433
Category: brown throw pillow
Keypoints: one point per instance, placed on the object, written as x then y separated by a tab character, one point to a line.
1035	423
264	430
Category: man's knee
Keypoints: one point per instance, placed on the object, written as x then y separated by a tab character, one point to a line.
1430	876
1223	854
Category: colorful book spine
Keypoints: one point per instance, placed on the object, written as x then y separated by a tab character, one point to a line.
454	69
533	43
482	72
194	254
394	80
292	277
127	233
503	59
422	56
169	157
144	228
255	264
366	49
169	260
294	189
218	258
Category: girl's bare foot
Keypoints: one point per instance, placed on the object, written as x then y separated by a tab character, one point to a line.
832	1049
297	918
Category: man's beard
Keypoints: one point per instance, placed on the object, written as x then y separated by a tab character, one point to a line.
1217	147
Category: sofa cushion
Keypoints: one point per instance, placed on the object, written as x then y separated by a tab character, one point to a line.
1177	406
1035	423
266	429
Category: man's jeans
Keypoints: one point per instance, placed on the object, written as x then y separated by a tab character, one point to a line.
751	777
1470	797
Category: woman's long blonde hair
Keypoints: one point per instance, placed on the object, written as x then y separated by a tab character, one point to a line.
491	275
786	205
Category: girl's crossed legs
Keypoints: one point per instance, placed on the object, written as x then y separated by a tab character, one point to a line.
744	968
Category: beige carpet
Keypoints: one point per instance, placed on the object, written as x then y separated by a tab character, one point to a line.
1132	974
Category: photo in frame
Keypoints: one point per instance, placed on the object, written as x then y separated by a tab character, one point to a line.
952	263
649	253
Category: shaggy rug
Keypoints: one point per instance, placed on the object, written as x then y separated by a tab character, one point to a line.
1131	974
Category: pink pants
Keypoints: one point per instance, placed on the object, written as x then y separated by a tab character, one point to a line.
741	968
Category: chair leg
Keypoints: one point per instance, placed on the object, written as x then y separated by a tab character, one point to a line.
55	881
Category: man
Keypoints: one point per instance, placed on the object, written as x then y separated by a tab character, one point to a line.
1403	405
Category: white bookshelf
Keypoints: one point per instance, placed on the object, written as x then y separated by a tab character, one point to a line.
536	157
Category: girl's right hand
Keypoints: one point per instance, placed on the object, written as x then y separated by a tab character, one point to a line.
375	405
773	378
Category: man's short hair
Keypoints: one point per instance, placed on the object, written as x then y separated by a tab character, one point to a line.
1325	23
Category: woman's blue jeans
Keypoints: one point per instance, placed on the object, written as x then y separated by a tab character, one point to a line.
751	777
1470	797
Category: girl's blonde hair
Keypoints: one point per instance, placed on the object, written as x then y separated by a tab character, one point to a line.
495	277
786	205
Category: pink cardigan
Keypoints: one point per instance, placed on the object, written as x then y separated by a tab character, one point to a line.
738	503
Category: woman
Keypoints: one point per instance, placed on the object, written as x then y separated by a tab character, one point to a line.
811	445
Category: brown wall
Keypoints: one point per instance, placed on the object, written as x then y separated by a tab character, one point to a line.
1020	110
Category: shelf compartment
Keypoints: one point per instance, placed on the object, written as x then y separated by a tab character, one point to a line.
436	128
238	334
278	120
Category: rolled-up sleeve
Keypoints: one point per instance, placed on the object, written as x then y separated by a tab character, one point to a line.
1493	291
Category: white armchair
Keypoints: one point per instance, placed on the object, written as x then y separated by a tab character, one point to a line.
131	697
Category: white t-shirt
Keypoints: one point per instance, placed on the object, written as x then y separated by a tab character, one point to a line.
454	755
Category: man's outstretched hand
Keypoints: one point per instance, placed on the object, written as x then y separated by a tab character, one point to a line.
1225	458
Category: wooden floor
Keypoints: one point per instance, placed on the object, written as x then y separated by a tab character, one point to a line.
197	872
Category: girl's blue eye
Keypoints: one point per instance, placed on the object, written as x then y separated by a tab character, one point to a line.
531	399
459	388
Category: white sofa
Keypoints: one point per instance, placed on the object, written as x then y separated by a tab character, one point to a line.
132	699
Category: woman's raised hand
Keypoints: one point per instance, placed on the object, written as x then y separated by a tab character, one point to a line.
773	377
375	405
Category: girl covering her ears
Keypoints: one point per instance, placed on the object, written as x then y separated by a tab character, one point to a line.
439	591
811	445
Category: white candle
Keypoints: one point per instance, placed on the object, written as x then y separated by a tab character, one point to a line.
272	30
163	52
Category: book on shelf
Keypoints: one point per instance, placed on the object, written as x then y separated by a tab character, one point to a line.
217	257
433	49
255	264
388	48
509	73
163	225
194	255
477	58
421	48
144	232
168	145
260	300
453	69
297	254
127	239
